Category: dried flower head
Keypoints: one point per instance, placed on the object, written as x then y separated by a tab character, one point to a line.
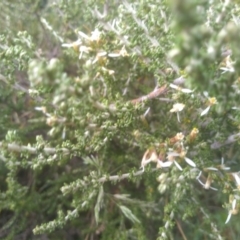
193	134
177	138
212	101
177	107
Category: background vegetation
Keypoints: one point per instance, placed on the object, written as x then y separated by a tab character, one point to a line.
119	119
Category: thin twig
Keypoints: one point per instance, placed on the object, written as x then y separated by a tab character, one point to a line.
180	230
154	94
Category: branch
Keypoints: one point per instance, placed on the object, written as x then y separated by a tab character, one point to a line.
231	139
123	176
19	87
159	91
155	93
17	148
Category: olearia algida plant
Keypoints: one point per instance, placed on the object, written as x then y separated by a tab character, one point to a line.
120	119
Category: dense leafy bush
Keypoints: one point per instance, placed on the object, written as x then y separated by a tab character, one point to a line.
119	119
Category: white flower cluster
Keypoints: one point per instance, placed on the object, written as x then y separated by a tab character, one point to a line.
85	44
173	156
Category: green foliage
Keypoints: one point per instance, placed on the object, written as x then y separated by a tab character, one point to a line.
116	118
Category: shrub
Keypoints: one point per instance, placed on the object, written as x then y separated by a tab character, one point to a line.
119	119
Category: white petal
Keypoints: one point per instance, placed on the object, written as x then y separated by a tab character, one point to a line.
228	218
39	108
80	55
190	162
178	117
174	86
186	90
165	164
81	34
212	168
114	55
237	178
230	69
199	175
226	168
84	49
205	111
76	43
206	94
146	113
102	54
68	45
215	189
234	204
173	154
200	182
178	166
